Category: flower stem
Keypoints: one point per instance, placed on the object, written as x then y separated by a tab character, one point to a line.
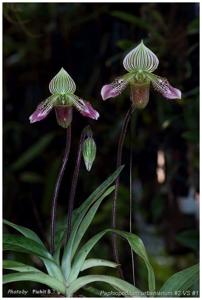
74	182
57	187
131	198
114	205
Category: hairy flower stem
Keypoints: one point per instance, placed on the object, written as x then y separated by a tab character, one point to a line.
57	187
75	181
114	204
131	196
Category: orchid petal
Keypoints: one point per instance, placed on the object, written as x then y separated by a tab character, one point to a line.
43	109
162	85
140	95
63	115
62	83
85	108
114	89
141	58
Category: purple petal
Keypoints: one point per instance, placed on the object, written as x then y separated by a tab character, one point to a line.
40	113
43	109
85	108
163	86
113	89
63	115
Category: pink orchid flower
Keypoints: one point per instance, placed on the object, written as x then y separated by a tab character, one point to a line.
62	87
140	63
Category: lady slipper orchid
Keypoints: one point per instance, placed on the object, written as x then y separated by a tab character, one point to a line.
140	63
62	87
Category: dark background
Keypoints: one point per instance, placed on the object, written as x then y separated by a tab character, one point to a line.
90	42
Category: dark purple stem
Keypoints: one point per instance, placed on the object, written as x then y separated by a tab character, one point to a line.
131	199
57	187
114	205
74	182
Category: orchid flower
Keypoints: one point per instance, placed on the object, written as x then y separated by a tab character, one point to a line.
140	63
62	87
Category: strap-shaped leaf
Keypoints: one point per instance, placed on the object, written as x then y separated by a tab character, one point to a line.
138	247
62	83
88	219
18	266
97	262
92	290
60	235
98	192
36	277
140	58
66	264
24	231
135	243
51	266
126	289
26	245
80	213
181	281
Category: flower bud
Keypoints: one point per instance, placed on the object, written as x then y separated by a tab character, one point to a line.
89	152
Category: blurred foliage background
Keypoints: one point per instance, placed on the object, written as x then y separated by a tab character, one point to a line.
90	40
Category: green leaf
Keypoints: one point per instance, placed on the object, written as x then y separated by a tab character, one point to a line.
138	247
24	231
97	262
193	27
81	256
31	177
59	237
181	281
88	219
25	245
36	277
130	18
98	192
58	244
136	21
80	213
66	263
51	266
126	288
189	238
18	266
92	291
135	243
191	136
32	152
125	44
